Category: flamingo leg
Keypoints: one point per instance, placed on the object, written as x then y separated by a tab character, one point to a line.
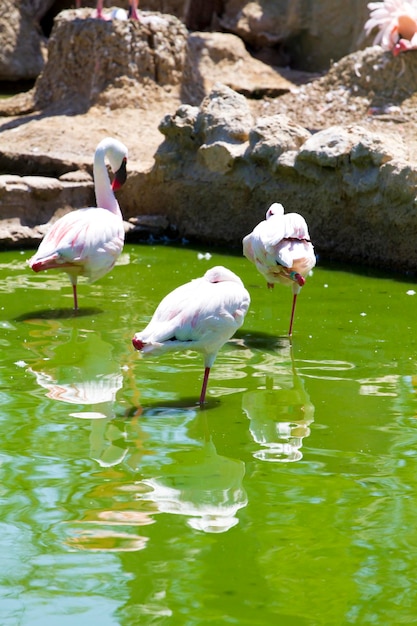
99	10
294	302
204	387
74	291
133	13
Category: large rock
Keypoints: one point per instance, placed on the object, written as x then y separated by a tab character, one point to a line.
94	61
214	178
311	33
23	48
220	162
306	35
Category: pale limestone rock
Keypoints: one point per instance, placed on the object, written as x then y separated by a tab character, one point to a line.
274	135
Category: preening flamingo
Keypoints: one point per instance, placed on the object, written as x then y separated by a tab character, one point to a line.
132	13
281	250
87	242
396	21
200	315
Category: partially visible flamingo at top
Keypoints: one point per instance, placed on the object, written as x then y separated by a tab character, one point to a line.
281	250
200	315
132	13
87	242
396	21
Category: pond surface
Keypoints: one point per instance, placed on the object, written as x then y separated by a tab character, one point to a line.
290	499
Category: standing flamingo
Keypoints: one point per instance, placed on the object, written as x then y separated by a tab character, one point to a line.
281	250
132	13
200	315
87	242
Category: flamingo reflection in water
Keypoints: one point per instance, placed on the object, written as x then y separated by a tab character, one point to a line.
197	483
82	372
280	416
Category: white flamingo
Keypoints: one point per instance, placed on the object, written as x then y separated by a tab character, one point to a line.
281	250
87	242
200	315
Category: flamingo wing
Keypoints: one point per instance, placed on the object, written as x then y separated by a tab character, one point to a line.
87	241
199	315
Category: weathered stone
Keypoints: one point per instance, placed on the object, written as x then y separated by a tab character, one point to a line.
97	61
224	116
313	32
220	156
29	203
23	49
306	34
219	165
271	136
222	57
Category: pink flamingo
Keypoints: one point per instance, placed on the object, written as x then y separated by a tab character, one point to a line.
87	242
132	13
396	21
200	315
281	250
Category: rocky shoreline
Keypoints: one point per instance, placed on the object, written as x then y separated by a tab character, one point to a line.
206	156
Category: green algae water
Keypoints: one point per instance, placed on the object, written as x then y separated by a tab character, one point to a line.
290	499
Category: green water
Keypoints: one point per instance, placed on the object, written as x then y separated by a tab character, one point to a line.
289	500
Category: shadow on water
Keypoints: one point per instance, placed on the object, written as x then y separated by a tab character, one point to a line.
55	314
181	404
262	341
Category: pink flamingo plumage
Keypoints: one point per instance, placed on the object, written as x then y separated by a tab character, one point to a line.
87	242
281	250
132	14
200	315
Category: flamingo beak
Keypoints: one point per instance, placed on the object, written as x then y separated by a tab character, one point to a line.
120	176
137	343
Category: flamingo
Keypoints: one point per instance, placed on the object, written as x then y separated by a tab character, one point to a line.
200	315
87	242
396	21
132	13
281	250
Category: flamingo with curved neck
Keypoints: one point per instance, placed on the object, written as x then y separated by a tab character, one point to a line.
87	242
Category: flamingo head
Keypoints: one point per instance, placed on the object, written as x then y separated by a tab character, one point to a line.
137	343
297	278
120	176
275	209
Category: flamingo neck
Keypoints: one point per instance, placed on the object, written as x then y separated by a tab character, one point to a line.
105	197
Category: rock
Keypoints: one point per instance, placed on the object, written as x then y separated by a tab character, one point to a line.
354	187
309	34
23	49
274	135
222	57
29	203
304	35
217	163
107	62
